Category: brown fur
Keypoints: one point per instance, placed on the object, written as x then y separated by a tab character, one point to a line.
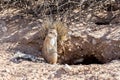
60	27
50	47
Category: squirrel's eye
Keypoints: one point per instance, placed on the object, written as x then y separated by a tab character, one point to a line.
51	33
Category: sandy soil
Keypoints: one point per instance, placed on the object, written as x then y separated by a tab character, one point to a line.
27	70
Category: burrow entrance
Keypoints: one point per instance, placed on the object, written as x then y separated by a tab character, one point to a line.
85	61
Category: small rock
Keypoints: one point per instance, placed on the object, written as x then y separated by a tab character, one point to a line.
76	10
67	68
78	60
94	42
81	24
70	49
40	20
89	16
77	25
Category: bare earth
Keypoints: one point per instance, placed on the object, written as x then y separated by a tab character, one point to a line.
27	70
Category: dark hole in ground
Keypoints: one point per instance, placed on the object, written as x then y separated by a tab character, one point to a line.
91	60
102	23
85	61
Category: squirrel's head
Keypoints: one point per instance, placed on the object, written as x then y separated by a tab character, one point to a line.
52	32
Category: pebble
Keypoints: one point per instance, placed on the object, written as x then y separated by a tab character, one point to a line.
67	68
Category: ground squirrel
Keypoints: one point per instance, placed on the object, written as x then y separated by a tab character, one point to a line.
56	36
50	47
